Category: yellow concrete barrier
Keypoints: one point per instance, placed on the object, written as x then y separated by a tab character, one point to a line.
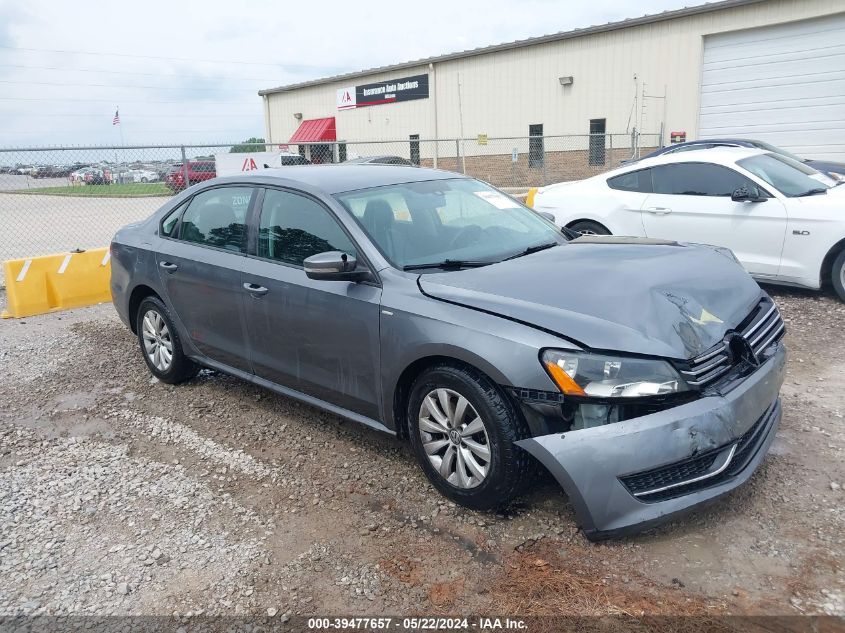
529	199
36	285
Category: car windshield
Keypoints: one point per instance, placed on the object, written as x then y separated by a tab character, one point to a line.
450	222
791	177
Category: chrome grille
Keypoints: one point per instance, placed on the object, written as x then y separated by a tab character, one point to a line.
761	329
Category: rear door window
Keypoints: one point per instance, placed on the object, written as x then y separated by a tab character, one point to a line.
169	222
217	217
639	181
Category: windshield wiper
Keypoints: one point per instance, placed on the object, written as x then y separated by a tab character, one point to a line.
812	192
532	249
447	264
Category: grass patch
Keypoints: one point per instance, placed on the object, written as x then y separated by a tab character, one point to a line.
127	190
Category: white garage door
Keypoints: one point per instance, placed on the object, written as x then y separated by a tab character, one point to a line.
783	84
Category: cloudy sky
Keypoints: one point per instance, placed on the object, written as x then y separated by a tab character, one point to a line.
183	71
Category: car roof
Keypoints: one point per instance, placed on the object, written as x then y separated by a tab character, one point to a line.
342	177
718	155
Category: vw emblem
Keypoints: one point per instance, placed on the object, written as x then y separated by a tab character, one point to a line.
740	350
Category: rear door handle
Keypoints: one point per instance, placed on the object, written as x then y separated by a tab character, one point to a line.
255	289
168	266
658	210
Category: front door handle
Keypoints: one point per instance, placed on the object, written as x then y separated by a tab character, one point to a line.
255	290
168	266
658	210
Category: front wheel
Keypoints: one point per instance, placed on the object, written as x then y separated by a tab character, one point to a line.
463	431
837	275
588	227
160	343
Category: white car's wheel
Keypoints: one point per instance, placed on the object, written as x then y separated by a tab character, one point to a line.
144	179
837	275
588	227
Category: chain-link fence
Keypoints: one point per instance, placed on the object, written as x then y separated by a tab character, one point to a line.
64	198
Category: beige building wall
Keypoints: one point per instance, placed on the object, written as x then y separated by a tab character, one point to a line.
502	92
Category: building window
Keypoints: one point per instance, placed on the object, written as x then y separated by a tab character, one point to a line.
597	142
536	153
415	149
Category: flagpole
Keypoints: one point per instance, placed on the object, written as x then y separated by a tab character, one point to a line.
120	126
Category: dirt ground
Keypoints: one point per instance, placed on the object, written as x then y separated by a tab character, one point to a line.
122	495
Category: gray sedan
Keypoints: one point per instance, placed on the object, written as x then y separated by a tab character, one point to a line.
643	374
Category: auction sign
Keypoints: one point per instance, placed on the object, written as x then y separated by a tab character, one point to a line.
393	91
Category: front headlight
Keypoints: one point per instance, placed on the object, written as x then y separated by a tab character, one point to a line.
599	376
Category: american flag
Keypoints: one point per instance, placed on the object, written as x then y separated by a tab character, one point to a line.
116	119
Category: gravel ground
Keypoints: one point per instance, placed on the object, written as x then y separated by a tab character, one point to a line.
122	495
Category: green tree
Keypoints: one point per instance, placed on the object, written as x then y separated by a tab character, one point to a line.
253	144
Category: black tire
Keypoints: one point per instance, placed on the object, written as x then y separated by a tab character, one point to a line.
837	274
180	367
588	227
509	470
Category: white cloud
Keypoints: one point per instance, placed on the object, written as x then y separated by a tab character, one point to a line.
167	73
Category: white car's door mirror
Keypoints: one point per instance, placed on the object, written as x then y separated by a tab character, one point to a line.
748	194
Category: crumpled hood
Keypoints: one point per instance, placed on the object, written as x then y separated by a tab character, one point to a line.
660	299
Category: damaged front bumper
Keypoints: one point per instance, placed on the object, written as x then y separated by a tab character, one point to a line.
627	476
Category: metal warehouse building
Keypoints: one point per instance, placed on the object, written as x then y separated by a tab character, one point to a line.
767	69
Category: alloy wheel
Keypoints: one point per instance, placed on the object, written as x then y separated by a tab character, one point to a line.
454	438
158	345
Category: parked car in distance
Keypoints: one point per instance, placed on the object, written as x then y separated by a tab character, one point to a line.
782	219
79	174
417	302
140	175
198	171
833	169
379	160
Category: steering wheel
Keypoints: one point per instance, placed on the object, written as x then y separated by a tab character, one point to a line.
467	234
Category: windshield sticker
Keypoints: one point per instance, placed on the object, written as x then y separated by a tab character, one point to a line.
498	200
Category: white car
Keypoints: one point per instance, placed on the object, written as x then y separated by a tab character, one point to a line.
783	220
140	175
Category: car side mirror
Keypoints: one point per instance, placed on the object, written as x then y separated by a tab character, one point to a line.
334	266
748	194
549	216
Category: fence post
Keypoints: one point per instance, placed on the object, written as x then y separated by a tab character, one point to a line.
185	168
457	154
545	173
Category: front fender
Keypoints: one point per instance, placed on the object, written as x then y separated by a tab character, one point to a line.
414	327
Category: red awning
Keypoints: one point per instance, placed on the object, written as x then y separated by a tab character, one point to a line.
315	131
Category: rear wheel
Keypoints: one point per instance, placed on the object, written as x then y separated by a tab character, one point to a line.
160	344
463	431
837	275
588	227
